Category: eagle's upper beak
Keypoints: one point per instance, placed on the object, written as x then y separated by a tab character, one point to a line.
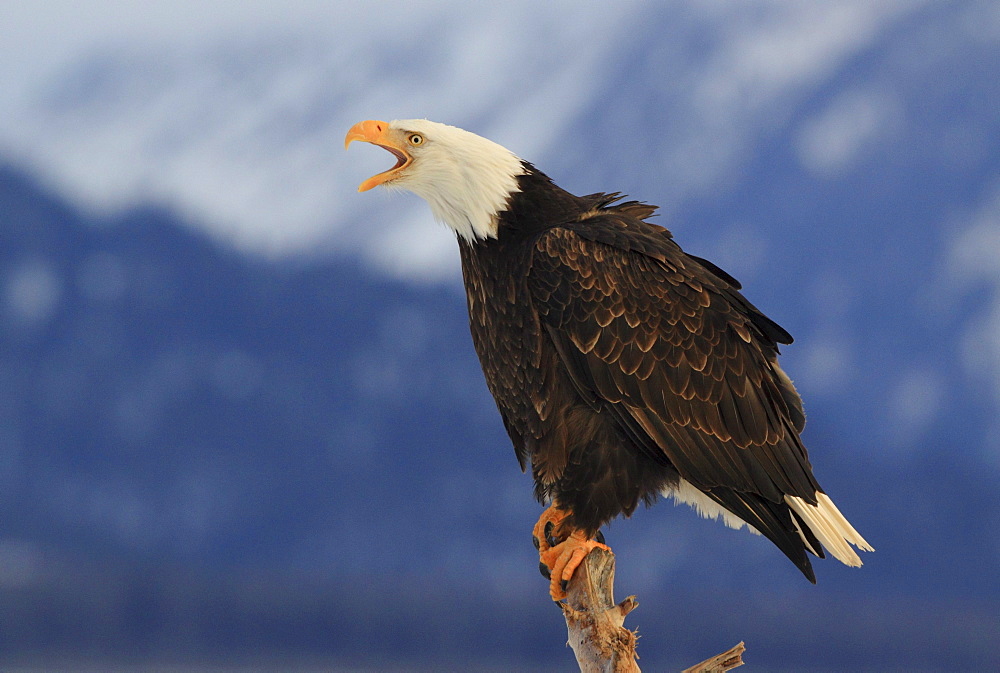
378	133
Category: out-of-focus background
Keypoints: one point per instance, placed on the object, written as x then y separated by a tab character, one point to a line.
241	421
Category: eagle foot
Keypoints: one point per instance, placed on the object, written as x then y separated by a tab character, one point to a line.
559	552
562	560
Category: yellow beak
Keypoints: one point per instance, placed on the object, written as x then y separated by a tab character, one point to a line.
378	133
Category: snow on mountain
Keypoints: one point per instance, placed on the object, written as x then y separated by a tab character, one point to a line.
241	129
235	117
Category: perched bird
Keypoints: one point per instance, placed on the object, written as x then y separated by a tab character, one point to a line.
623	367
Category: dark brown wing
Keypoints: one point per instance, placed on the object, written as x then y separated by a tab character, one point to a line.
685	363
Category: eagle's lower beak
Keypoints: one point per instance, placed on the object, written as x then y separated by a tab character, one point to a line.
377	133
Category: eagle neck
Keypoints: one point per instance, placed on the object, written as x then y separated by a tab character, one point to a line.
537	205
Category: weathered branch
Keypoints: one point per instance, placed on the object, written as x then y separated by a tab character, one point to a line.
595	623
721	662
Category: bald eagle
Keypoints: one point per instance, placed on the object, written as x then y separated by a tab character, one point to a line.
623	367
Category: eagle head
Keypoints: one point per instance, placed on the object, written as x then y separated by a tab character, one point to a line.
466	179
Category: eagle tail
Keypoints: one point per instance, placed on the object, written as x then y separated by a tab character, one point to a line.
795	526
829	526
774	520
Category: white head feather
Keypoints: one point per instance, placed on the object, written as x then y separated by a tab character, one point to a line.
466	179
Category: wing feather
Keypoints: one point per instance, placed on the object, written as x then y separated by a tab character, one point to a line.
686	365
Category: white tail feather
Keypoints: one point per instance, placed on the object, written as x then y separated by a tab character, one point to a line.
830	527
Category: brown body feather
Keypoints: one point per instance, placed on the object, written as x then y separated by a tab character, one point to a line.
621	364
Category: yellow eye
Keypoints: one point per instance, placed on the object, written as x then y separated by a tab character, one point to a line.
416	139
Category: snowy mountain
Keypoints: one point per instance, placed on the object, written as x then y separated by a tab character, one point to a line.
241	128
238	396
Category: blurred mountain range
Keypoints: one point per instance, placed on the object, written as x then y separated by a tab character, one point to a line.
214	452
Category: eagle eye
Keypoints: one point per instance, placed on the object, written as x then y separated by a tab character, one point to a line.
416	139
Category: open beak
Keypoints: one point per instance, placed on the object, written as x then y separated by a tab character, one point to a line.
377	133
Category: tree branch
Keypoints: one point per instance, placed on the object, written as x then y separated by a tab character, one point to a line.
595	623
726	661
